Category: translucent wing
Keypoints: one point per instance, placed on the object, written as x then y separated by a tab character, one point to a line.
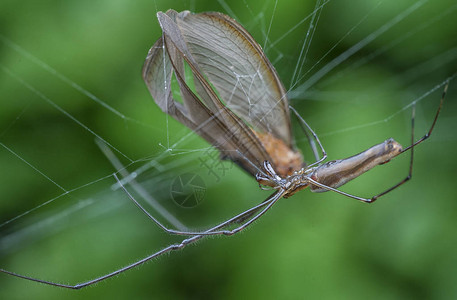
236	66
222	124
205	113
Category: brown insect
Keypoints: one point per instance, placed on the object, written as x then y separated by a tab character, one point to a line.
234	99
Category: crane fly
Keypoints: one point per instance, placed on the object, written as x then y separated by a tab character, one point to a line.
235	100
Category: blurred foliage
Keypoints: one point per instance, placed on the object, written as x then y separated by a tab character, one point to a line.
308	246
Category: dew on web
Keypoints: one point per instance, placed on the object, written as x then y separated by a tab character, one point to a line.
62	136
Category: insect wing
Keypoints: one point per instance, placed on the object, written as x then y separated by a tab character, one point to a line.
205	113
236	66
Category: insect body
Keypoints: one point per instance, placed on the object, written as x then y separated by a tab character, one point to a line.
240	106
332	174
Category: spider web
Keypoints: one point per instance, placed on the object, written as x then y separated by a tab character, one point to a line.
70	112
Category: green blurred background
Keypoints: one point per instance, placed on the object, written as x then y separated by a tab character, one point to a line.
308	246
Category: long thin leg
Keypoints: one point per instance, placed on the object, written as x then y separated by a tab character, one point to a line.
121	270
427	135
414	144
312	143
411	147
270	202
236	219
410	173
324	154
139	189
